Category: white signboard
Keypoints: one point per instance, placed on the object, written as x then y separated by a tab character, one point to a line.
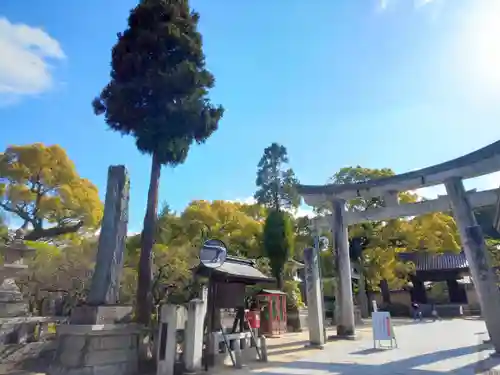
383	330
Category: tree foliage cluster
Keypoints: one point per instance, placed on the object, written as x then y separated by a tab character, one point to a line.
158	93
39	185
267	230
276	191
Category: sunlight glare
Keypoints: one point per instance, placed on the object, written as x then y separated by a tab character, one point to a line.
480	44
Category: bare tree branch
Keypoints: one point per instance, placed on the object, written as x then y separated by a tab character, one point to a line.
40	233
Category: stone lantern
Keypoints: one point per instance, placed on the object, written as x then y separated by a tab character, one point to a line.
12	255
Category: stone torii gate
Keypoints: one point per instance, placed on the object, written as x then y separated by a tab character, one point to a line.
461	203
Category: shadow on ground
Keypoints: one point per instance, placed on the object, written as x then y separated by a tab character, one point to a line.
271	346
405	366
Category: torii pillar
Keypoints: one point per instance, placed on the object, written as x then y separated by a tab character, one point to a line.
483	275
345	320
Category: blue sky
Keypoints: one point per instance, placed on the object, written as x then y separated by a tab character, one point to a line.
394	83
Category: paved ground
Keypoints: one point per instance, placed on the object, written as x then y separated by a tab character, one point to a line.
453	346
431	348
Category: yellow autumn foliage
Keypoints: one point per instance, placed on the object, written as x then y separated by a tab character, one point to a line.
232	222
40	185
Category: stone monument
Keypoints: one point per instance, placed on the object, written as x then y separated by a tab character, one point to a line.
100	339
314	298
12	255
102	303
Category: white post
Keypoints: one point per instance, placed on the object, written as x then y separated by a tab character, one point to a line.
263	348
346	322
170	320
483	275
204	298
314	298
193	348
238	360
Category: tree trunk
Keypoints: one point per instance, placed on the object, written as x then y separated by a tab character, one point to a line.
144	300
384	290
279	280
363	297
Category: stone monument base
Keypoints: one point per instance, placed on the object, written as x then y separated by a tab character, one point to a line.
106	349
12	303
12	309
106	314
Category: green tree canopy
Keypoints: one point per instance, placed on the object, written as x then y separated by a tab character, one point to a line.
276	190
40	186
278	242
158	93
4	229
303	236
358	174
276	183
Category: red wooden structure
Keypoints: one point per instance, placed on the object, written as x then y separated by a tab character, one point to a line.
253	318
272	304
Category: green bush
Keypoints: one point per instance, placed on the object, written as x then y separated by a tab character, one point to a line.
293	296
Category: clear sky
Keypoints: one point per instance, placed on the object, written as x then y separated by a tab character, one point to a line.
395	83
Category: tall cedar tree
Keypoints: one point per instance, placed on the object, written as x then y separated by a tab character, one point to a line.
158	93
278	242
275	184
276	190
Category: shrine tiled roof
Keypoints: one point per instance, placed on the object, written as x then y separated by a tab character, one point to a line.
235	268
425	261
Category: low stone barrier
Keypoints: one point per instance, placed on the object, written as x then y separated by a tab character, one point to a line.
241	344
21	330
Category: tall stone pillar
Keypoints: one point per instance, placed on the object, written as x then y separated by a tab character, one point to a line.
345	322
314	298
484	277
99	339
105	285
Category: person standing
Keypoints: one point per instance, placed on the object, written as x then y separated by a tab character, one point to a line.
435	315
417	314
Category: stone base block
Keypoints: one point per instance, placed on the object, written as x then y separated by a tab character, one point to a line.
112	314
297	320
96	350
9	309
358	320
17	333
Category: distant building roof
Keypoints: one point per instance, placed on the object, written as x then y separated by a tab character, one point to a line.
425	261
237	270
298	264
271	291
